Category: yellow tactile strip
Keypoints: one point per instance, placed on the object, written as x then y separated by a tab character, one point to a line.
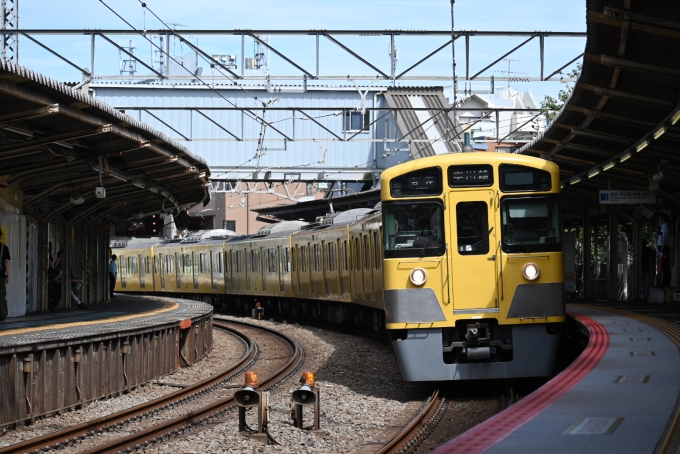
167	307
670	440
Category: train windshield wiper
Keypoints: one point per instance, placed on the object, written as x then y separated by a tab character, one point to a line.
429	240
519	238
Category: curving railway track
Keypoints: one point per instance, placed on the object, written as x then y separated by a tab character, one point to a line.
74	435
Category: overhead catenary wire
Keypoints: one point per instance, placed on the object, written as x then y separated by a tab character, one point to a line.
250	114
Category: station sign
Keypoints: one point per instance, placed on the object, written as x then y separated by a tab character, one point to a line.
627	197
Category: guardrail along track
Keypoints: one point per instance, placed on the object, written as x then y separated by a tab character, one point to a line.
63	436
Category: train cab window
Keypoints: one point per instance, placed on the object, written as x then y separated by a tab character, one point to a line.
472	227
413	229
531	224
516	178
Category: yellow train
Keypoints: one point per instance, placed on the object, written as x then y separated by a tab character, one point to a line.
462	265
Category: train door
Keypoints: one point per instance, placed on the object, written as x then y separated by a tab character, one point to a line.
473	255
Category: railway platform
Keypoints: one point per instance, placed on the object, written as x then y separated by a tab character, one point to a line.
50	363
621	395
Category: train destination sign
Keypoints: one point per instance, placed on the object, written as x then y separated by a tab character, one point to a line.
626	197
470	175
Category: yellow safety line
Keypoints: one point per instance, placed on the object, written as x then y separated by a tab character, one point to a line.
167	306
673	332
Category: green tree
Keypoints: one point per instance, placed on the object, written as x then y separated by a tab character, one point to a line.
550	106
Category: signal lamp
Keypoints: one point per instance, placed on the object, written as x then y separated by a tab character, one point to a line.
418	276
251	380
530	271
308	378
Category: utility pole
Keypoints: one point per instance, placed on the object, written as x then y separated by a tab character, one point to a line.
453	54
10	21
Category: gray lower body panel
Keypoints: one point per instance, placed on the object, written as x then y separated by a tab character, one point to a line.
413	305
420	356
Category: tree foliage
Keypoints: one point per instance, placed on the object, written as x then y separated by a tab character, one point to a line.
550	106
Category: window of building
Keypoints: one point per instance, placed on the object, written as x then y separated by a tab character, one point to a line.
356	121
229	225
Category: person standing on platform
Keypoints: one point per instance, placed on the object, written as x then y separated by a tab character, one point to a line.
113	274
661	241
665	267
52	273
648	259
4	277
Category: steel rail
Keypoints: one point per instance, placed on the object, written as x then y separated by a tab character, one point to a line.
411	429
137	440
70	433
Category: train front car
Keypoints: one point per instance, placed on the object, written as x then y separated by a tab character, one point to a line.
473	266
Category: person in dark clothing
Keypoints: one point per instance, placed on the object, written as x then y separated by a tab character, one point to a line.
52	301
646	261
4	278
665	267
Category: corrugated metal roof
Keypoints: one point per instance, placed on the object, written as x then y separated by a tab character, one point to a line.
432	124
628	92
54	139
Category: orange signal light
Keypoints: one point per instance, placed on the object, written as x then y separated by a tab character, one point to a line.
251	379
308	378
258	304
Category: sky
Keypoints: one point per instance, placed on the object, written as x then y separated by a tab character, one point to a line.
548	15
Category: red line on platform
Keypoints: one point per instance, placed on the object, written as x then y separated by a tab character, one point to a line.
485	435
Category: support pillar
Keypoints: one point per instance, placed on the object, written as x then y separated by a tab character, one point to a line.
613	257
587	256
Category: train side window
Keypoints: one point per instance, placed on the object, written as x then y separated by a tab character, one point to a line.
376	250
294	258
345	259
357	253
255	261
288	261
332	257
317	257
272	260
367	254
472	221
239	261
202	268
303	258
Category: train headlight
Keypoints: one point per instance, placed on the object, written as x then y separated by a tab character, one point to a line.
418	276
530	271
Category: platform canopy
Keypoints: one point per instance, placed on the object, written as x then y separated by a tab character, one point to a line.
620	129
58	145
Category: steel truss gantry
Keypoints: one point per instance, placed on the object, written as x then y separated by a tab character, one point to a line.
304	73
